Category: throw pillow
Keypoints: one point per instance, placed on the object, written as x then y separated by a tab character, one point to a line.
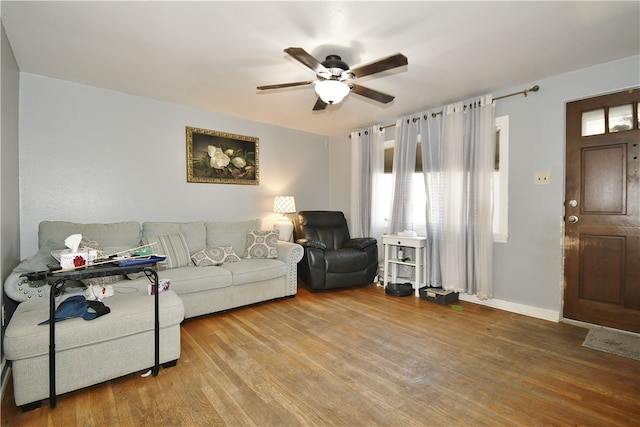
214	256
262	244
173	246
207	257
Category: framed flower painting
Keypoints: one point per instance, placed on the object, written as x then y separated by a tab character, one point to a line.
222	158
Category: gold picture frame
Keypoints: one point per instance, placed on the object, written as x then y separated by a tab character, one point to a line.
222	158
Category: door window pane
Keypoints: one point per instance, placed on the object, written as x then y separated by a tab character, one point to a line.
593	122
621	118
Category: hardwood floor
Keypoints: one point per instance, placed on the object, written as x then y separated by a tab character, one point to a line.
361	358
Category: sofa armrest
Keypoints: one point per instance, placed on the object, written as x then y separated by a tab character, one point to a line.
18	288
308	243
288	251
291	254
360	243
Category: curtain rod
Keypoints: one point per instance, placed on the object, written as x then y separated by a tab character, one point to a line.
523	92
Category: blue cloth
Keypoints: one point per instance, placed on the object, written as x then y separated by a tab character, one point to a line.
78	306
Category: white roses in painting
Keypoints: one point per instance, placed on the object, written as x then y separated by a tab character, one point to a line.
223	162
219	160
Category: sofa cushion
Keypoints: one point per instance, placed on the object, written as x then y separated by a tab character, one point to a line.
214	256
173	246
255	270
195	232
193	279
112	234
131	312
231	234
262	244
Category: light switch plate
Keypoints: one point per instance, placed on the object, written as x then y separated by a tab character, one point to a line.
542	178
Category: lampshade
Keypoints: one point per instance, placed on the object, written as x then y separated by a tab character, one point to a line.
332	91
284	204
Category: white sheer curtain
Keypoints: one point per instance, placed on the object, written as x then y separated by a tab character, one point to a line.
466	242
378	221
458	151
403	197
432	147
360	217
404	166
367	161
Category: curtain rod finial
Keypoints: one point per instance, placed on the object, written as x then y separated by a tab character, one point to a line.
533	89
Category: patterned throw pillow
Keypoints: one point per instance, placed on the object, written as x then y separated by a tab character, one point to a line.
173	246
214	256
262	244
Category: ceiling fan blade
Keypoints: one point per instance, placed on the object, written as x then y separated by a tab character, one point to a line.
281	85
320	105
393	61
305	58
372	94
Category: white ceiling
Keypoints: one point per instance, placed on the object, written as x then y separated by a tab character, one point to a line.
211	55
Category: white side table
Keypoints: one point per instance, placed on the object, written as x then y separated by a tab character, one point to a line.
391	245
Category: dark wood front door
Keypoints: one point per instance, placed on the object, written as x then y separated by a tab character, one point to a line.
602	211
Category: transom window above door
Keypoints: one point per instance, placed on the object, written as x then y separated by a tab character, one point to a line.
612	119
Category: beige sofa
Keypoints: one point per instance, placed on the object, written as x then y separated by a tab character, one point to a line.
123	339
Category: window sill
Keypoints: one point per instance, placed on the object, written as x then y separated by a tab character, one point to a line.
500	237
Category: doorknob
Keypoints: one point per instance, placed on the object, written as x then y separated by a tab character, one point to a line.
573	219
573	203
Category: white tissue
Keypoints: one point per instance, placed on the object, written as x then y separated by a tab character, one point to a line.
73	242
97	293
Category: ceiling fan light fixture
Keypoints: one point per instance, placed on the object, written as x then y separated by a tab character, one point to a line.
332	91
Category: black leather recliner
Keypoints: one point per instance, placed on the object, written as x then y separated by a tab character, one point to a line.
332	259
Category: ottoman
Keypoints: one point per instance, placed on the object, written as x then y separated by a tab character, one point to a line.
90	352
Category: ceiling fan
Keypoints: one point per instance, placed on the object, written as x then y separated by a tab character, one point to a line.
334	77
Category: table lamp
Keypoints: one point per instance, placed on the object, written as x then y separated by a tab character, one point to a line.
284	205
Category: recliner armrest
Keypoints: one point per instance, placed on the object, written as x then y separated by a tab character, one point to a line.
360	242
308	243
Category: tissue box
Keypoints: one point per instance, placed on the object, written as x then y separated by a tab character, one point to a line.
70	259
163	285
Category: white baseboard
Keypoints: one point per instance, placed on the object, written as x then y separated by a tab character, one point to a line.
514	307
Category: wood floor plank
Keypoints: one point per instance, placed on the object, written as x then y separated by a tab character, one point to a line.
358	357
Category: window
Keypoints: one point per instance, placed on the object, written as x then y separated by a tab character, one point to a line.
419	200
500	184
612	119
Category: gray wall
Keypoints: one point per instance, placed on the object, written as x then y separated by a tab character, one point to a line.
528	268
93	155
89	154
9	203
